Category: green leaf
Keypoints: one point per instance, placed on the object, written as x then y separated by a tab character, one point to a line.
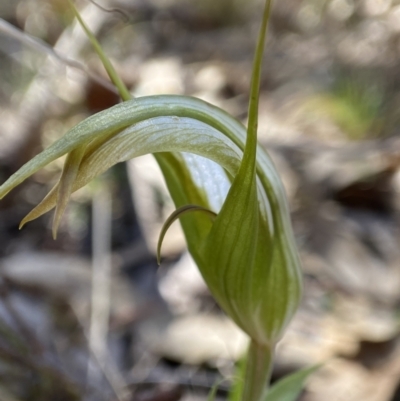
66	183
290	387
102	126
147	137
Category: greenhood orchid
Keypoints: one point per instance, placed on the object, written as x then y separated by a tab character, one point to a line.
237	224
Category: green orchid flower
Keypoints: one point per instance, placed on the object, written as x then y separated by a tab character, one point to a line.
236	221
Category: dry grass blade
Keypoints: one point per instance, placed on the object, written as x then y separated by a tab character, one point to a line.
42	47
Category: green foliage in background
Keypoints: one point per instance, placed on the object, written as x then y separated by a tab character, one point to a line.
355	106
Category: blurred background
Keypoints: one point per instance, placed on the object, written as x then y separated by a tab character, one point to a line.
90	316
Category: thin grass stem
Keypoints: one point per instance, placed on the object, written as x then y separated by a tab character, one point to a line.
116	80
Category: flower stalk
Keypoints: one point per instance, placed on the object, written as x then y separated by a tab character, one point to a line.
258	372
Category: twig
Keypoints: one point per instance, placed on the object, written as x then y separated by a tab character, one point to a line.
111	10
101	272
100	305
113	377
199	384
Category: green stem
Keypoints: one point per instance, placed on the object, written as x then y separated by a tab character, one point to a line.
258	372
116	80
251	142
